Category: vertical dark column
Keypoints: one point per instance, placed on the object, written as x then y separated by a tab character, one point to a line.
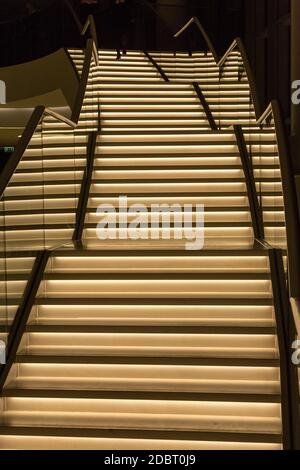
295	62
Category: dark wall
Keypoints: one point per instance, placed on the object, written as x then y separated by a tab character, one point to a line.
223	19
263	24
268	38
153	24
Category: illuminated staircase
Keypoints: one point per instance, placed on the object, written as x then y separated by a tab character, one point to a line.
142	344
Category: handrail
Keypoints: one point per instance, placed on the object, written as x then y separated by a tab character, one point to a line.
205	106
90	23
208	41
23	312
251	79
290	201
266	114
227	53
255	208
288	181
74	15
85	190
83	81
221	61
24	16
38	114
295	306
157	66
22	144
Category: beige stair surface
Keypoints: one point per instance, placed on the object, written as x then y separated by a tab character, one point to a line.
144	342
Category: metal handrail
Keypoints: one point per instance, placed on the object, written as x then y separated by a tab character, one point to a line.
194	20
237	43
288	181
90	23
82	28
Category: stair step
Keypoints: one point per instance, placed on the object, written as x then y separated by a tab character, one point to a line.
58	439
190	416
209	381
145	344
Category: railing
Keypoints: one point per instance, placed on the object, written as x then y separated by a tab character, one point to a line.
89	25
220	62
289	188
286	295
194	20
48	29
42	204
157	66
289	197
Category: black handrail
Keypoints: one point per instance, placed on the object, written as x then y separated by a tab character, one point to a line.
290	201
83	81
85	190
255	209
13	161
23	312
157	66
205	106
237	43
194	20
289	195
288	181
286	333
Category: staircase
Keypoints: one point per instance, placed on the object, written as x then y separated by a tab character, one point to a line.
140	343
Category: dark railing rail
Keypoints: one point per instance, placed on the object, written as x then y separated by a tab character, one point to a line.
289	195
290	201
90	24
20	320
255	209
286	333
237	44
288	181
282	292
83	81
14	159
194	20
205	106
74	15
157	66
85	190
